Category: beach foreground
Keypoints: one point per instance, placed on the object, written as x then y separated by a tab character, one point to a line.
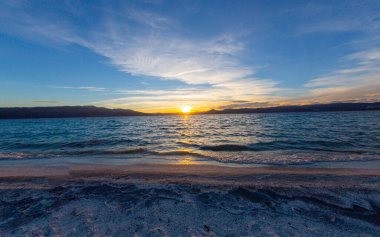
188	200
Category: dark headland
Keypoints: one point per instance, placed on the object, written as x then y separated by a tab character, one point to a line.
93	111
64	112
302	108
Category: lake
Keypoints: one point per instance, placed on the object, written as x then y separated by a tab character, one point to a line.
261	139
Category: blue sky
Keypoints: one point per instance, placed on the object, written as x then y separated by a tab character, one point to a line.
158	55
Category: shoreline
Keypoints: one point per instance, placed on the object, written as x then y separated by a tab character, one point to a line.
186	160
183	173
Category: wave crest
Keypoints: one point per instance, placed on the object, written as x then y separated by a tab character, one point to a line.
227	147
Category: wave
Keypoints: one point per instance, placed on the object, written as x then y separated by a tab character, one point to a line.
13	155
290	158
179	153
98	153
107	152
77	153
330	146
227	147
136	151
73	144
244	157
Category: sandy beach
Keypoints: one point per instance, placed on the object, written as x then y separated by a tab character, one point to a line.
188	200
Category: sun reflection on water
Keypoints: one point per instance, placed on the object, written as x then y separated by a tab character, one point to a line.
187	161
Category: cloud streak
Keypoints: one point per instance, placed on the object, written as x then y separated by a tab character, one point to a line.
359	82
88	88
46	101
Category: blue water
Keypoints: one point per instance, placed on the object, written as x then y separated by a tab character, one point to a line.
279	139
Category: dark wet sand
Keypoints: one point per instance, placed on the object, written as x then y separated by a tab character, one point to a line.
168	170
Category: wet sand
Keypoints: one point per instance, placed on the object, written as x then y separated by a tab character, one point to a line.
170	170
186	200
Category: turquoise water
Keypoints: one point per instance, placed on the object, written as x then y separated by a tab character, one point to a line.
276	139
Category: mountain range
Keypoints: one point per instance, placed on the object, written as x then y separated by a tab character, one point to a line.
93	111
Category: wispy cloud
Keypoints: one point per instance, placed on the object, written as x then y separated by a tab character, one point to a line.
88	88
247	104
359	82
151	19
333	17
363	69
46	101
175	59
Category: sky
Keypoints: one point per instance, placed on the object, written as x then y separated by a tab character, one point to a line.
158	55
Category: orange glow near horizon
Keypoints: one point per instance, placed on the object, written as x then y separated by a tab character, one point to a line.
186	109
168	106
172	107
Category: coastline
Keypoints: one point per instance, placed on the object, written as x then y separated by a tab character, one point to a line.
173	165
101	170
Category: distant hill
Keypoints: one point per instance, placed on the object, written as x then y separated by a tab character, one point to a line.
302	108
64	112
92	111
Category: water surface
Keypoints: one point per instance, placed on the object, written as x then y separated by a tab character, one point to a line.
274	139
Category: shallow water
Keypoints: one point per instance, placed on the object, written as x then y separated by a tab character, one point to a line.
276	139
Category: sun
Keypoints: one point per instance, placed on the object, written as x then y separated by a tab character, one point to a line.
186	109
